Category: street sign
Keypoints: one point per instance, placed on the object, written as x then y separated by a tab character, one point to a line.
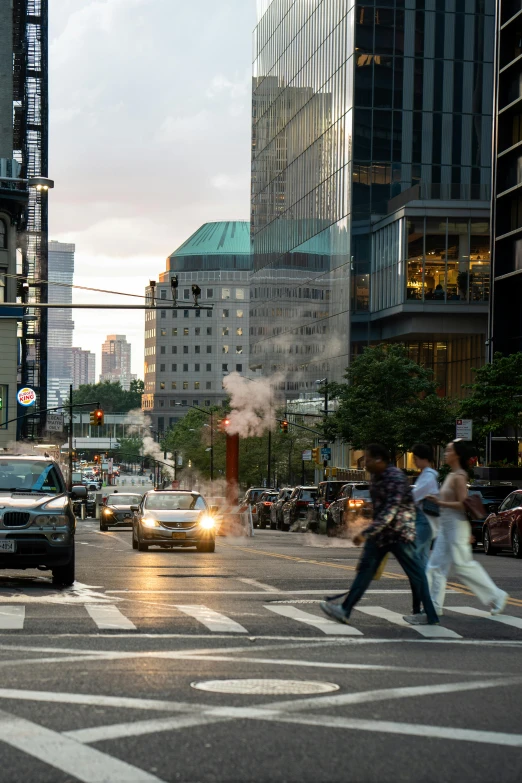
464	429
54	422
326	453
306	456
105	466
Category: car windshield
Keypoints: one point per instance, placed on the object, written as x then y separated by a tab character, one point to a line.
332	490
181	501
124	500
492	493
361	492
30	476
308	494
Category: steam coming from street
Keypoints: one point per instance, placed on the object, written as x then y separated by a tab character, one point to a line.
140	425
252	404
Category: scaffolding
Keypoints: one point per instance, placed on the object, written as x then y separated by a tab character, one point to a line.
30	120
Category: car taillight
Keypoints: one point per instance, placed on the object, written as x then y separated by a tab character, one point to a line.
355	503
266	503
326	504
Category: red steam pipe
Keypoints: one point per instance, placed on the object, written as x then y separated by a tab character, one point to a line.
232	469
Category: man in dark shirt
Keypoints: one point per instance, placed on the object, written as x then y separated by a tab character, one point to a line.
392	530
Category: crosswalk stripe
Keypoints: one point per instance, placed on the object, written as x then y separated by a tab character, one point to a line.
429	631
329	627
109	618
12	618
506	619
214	621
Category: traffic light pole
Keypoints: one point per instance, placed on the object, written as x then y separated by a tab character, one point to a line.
70	482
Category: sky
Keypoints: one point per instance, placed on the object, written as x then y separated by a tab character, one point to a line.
149	139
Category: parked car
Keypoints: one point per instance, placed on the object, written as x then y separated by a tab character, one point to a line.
295	510
263	506
492	496
251	498
117	510
172	518
276	509
327	492
37	522
353	503
503	527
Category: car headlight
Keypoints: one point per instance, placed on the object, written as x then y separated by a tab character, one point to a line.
149	522
207	522
107	511
49	521
57	504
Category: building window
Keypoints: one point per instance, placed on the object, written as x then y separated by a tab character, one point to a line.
210	293
173	385
185	331
163	313
174	349
163	332
162	349
224	349
185	349
196	384
163	294
3	283
224	331
209	349
239	313
197	330
198	313
174	368
162	403
3	235
196	367
209	313
162	385
186	293
208	385
172	403
224	367
185	368
197	349
184	402
240	293
209	330
225	293
239	368
4	390
209	368
185	385
225	313
162	368
174	313
195	403
239	331
174	332
239	349
207	403
185	313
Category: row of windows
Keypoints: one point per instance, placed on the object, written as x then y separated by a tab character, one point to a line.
183	403
226	313
197	385
225	331
226	293
197	368
197	349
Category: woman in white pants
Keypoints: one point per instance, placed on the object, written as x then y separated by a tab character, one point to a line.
452	546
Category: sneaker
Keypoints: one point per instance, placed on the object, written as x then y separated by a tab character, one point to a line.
416	619
334	611
498	606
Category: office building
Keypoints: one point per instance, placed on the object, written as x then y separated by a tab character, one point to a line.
189	351
371	166
60	322
116	361
83	367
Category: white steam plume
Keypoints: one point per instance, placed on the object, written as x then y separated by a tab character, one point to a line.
253	404
140	425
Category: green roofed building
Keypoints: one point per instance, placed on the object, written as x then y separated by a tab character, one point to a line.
188	352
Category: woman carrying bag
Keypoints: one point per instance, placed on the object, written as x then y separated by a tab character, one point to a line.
453	547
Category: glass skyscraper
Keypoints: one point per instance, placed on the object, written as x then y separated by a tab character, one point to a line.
371	164
60	322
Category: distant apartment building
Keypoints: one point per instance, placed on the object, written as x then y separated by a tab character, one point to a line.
189	351
60	322
83	367
116	361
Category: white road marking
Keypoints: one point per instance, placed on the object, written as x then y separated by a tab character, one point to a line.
251	592
214	621
505	619
98	700
261	585
410	729
83	763
322	623
137	728
12	617
428	631
108	617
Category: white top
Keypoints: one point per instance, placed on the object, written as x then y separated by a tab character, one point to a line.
425	485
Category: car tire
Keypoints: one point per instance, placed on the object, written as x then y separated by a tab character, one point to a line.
488	549
65	575
140	545
273	525
262	525
517	544
134	542
206	546
103	528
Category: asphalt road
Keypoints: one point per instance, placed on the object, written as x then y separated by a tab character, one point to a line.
102	681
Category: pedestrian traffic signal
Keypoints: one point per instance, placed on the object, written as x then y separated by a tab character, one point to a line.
283	427
316	456
96	417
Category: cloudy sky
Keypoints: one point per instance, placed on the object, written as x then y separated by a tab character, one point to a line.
149	138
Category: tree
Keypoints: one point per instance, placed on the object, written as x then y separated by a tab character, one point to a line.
495	403
130	449
111	396
389	399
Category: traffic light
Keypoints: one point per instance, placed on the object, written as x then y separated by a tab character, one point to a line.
223	425
96	417
283	427
96	458
316	455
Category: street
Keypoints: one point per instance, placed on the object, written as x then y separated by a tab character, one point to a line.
183	666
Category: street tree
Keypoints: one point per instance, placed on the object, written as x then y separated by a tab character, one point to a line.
390	399
495	402
111	396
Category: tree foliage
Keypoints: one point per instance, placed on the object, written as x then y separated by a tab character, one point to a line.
130	449
495	403
111	396
390	399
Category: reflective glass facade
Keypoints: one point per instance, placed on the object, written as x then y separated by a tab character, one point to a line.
355	104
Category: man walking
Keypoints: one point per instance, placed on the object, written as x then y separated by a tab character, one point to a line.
392	530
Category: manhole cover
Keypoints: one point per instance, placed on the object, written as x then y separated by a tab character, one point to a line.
266	687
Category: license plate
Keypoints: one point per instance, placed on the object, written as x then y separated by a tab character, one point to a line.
7	546
178	535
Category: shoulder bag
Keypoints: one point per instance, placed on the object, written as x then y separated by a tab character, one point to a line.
474	507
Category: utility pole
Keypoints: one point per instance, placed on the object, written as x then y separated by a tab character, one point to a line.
269	457
70	437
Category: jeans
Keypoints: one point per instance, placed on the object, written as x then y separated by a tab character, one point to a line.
406	554
424	536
